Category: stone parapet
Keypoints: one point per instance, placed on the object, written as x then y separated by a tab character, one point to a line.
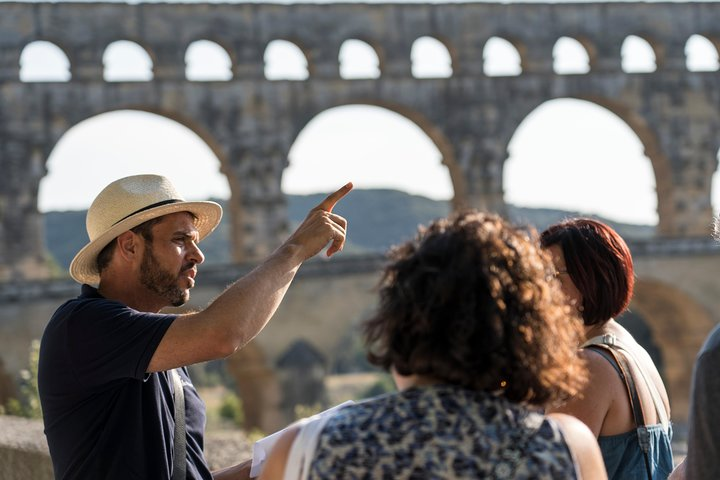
24	452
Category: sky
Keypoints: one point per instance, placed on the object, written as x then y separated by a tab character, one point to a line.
561	156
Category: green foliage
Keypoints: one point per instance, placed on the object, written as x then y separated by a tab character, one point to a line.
231	409
28	405
255	434
304	411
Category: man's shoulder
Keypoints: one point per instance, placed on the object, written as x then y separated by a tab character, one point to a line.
90	301
84	306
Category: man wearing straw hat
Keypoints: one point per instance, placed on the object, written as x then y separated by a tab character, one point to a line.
111	376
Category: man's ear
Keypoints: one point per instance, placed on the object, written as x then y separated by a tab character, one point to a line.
128	245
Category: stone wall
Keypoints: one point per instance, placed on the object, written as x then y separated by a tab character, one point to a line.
24	452
250	122
676	294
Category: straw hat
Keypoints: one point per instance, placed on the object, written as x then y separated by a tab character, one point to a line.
125	204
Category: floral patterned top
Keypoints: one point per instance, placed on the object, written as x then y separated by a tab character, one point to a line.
439	432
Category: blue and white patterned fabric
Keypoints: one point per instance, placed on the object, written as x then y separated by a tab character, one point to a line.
441	432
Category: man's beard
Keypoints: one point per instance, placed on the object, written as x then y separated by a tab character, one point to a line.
162	282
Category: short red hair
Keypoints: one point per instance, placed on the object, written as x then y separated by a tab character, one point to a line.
599	263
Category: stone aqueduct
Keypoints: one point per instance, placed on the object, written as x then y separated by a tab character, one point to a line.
250	123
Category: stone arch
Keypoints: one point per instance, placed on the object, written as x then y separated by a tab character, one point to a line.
660	161
426	125
638	55
433	47
572	55
258	388
191	126
36	56
701	54
286	59
660	164
363	51
200	51
501	57
134	55
679	325
639	328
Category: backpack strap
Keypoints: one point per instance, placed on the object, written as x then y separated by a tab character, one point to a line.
612	341
179	446
620	364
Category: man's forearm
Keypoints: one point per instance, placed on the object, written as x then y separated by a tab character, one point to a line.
244	308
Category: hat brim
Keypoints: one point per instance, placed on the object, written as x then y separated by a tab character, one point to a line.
83	268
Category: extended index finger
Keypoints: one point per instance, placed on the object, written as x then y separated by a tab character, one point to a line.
329	203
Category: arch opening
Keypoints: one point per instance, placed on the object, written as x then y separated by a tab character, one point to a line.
575	157
637	55
121	143
701	55
430	59
207	61
43	61
358	60
126	61
285	61
679	322
396	168
501	58
570	57
640	329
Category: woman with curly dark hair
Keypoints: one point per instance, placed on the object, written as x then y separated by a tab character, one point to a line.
478	342
624	402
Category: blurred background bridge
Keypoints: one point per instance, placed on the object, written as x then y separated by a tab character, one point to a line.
250	123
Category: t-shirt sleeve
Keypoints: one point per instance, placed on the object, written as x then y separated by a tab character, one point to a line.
108	341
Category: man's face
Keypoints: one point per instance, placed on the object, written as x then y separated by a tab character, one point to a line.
168	264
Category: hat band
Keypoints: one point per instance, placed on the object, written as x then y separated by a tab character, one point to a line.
158	204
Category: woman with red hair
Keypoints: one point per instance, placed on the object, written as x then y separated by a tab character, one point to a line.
624	403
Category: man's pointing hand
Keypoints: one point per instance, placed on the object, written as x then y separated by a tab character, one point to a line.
321	227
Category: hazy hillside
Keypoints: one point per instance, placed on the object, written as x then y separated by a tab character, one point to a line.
377	219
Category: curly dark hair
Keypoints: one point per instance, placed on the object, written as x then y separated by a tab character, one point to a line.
472	301
599	263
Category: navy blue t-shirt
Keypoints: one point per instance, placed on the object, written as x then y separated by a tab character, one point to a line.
105	417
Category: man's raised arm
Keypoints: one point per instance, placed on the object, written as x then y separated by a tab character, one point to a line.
243	309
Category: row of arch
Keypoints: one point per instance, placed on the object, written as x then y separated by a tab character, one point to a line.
123	60
384	146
